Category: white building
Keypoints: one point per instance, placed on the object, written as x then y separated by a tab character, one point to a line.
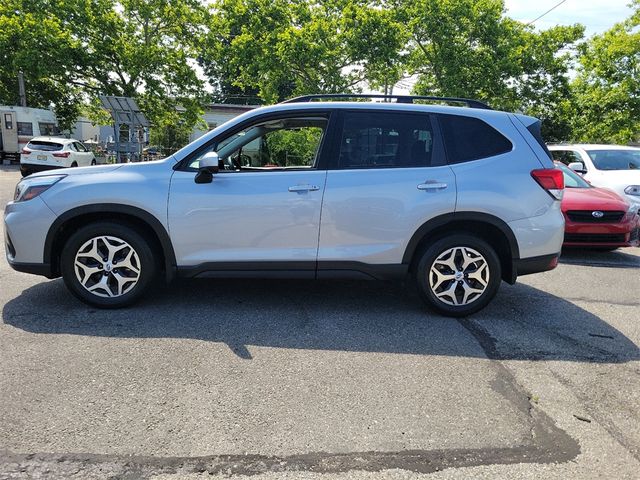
216	114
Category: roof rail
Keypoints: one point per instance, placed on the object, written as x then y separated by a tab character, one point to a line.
399	98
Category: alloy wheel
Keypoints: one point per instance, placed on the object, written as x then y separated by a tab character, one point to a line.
459	276
107	266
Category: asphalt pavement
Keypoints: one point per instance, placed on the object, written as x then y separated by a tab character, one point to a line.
329	380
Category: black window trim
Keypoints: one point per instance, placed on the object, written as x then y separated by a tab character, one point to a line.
438	157
323	150
448	161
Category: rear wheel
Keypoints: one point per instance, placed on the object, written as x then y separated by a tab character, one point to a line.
458	275
107	265
74	164
93	162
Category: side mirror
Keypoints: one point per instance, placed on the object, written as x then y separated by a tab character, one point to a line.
577	167
209	164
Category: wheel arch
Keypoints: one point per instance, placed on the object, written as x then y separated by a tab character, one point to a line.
137	218
486	226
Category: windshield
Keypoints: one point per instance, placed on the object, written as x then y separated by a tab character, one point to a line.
44	146
615	159
571	178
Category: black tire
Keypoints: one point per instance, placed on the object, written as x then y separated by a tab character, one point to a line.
146	263
476	301
25	172
93	162
73	165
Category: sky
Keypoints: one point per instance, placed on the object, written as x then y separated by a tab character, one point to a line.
596	15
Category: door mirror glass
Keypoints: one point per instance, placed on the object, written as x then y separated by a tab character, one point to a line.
577	167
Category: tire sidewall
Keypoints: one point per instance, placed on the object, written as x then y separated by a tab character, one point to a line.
126	233
436	249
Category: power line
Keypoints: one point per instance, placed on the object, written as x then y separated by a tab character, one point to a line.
548	11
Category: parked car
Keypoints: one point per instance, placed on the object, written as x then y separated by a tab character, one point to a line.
596	217
47	153
615	167
459	198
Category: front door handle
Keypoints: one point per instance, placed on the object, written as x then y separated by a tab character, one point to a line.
432	186
304	188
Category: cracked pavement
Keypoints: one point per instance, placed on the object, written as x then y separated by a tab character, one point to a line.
330	380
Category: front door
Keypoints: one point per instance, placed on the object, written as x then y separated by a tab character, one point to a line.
262	210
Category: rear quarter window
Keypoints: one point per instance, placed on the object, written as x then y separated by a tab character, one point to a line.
44	146
468	138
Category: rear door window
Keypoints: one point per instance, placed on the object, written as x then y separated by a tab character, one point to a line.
469	138
386	140
44	146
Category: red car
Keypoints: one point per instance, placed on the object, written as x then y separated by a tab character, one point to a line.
596	217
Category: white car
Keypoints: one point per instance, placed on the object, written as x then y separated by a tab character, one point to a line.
47	153
615	167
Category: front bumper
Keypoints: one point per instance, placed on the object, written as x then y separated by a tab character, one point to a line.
26	225
621	234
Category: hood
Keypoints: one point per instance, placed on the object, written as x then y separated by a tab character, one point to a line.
621	177
78	170
592	199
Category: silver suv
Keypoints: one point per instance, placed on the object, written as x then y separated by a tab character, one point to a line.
460	198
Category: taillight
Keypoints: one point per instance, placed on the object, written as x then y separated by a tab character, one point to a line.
551	179
25	151
62	154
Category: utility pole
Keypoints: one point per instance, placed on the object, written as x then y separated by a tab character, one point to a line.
23	95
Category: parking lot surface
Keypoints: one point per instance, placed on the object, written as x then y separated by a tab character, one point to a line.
303	379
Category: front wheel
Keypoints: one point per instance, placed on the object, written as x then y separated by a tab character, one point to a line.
107	265
458	275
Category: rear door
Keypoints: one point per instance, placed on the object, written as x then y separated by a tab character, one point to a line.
388	177
83	154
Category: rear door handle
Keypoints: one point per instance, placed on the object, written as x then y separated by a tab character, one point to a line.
432	186
304	188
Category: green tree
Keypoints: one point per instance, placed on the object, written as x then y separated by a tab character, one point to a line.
607	88
38	44
144	49
72	50
290	47
469	48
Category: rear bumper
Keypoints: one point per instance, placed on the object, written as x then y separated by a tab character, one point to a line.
542	263
36	167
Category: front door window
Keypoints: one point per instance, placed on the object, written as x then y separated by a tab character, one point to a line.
284	144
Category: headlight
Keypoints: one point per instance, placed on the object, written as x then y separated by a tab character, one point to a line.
633	190
32	187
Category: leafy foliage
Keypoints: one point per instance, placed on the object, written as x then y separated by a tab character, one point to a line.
249	51
607	89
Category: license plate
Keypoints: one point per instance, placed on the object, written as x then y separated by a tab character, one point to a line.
42	157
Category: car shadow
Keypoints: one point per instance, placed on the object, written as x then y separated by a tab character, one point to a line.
522	322
620	258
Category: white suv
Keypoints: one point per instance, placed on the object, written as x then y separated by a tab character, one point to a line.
48	153
615	167
458	198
